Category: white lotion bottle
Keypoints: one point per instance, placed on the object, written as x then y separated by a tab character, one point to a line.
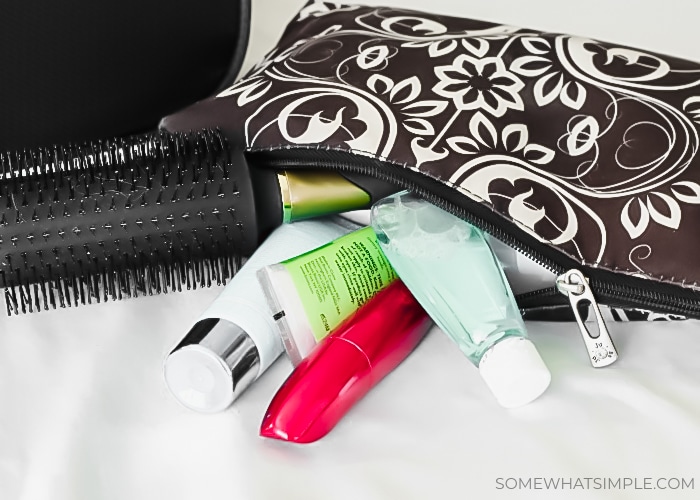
450	269
236	338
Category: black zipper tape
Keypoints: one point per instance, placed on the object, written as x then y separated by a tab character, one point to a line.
612	289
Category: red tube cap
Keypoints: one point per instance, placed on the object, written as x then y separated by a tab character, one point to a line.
315	398
346	365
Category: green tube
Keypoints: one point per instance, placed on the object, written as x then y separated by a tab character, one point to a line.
313	293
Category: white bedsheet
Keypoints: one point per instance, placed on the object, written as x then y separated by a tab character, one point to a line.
84	412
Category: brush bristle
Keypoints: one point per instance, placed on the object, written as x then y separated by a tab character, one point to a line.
116	219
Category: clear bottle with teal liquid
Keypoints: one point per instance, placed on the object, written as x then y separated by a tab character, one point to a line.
449	267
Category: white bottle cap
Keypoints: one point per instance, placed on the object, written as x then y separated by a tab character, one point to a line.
212	366
514	371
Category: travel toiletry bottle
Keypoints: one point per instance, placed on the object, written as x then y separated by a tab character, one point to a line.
236	339
450	269
523	274
311	294
345	365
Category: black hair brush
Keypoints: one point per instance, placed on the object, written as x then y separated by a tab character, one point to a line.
145	215
117	219
151	213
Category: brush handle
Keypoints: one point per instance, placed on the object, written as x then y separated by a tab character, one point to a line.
134	216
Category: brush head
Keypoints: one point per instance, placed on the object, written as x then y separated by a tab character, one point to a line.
134	216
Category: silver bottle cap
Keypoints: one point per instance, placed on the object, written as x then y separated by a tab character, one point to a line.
212	366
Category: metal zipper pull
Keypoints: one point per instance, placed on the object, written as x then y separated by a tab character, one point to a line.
601	349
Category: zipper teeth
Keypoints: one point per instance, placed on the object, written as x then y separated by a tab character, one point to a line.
634	297
543	292
647	298
436	200
624	294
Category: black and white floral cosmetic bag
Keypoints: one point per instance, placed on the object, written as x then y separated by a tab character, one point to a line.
581	154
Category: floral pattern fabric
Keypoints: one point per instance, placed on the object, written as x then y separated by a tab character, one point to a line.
587	146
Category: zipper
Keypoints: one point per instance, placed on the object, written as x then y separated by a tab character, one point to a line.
601	349
402	177
605	287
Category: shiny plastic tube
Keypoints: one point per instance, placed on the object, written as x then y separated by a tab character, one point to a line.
236	339
311	294
346	365
450	268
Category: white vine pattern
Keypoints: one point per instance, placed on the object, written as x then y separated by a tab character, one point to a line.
469	114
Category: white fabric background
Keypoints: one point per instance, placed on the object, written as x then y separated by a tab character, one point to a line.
84	413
